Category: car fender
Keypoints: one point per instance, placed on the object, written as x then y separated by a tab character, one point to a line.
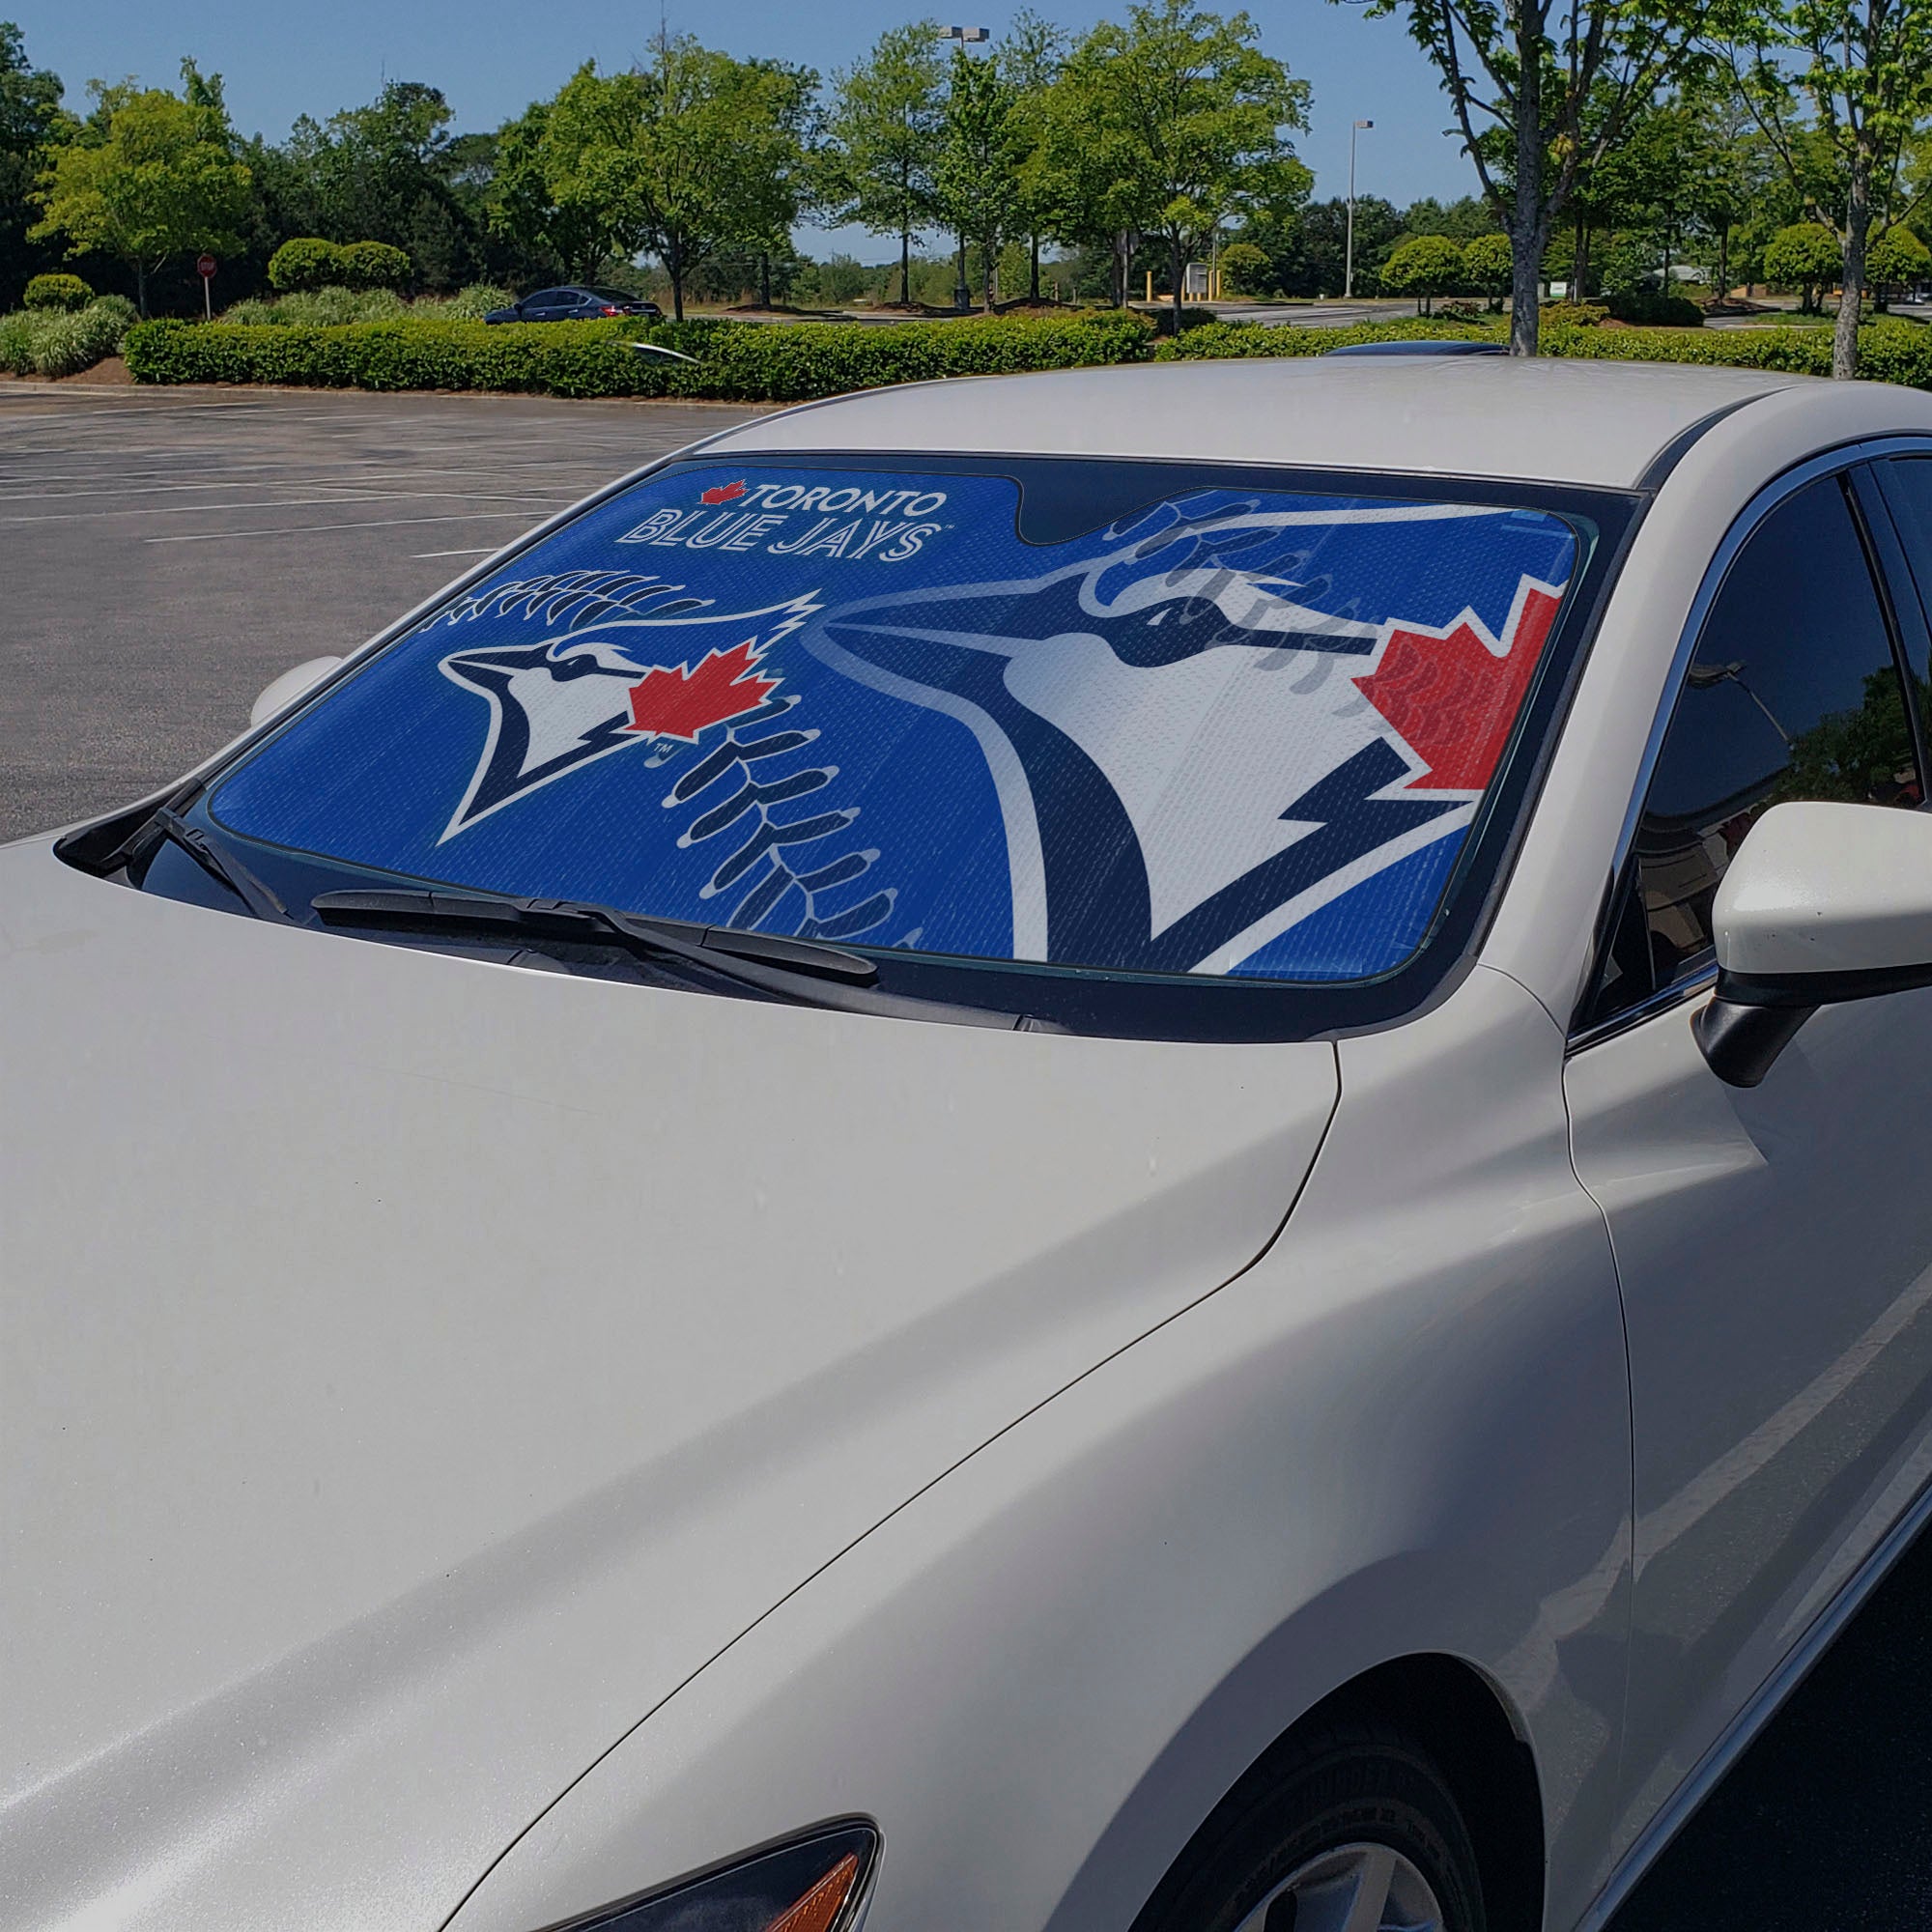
1403	1432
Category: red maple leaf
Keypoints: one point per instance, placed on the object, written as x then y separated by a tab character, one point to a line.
721	493
1453	700
678	702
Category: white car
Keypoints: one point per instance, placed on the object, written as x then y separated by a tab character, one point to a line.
1121	1149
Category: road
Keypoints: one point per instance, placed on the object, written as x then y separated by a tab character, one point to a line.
167	553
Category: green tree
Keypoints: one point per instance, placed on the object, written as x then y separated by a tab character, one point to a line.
1894	258
1542	91
1856	78
384	173
886	130
695	154
1193	121
31	122
1425	266
1488	267
1806	257
1031	57
1245	269
976	180
149	175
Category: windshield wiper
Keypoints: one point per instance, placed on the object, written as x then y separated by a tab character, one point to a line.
804	972
219	864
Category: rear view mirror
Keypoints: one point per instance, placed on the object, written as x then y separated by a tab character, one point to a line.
290	686
1823	903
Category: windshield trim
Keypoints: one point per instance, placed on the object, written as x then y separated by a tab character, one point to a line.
1172	1005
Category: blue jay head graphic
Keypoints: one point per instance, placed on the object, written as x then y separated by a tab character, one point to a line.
1179	749
613	647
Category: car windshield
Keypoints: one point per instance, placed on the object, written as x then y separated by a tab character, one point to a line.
1101	716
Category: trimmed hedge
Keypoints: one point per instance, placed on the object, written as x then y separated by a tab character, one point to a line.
800	362
737	361
1220	341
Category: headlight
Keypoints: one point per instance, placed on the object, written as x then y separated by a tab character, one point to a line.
816	1883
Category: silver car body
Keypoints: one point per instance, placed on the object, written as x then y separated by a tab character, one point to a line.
481	1443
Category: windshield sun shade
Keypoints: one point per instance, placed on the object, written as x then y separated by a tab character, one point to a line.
1231	731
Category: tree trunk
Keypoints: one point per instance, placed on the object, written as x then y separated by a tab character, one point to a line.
673	261
906	267
1529	220
1033	269
141	288
1724	260
962	285
990	264
1580	265
764	281
1857	227
1173	257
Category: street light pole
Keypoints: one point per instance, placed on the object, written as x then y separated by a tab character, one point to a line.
1348	257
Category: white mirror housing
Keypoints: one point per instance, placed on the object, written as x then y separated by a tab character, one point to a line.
290	686
1824	902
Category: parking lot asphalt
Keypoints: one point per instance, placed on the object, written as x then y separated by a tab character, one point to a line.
164	554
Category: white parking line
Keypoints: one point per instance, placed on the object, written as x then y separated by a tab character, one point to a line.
488	550
306	529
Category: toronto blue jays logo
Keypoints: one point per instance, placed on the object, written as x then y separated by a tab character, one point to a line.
637	661
1198	733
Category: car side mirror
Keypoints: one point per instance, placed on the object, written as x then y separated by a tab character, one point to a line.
1823	903
286	688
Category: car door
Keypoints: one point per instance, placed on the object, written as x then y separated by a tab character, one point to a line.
1772	1243
546	305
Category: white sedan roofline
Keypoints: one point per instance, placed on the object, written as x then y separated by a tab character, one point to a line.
1589	423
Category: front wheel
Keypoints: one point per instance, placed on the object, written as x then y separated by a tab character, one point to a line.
1354	1830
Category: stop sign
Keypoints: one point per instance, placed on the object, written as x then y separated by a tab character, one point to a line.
205	267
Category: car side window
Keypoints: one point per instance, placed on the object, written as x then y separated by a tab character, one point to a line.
543	299
1793	692
1908	492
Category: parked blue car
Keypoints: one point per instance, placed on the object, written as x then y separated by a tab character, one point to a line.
574	301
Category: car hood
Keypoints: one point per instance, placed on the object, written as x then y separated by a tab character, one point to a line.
413	1369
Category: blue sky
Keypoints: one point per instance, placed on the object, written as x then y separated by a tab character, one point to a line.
492	57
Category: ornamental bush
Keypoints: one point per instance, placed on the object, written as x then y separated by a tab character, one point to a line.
61	292
373	264
307	261
63	342
736	361
1648	309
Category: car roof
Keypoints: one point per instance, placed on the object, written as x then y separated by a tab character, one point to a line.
1594	423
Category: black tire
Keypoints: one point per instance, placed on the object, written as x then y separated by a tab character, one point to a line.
1338	1784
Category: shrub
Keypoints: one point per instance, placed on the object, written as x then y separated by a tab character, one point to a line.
61	342
1574	314
1424	266
1245	269
305	263
373	264
62	292
473	303
737	361
1651	310
1460	311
